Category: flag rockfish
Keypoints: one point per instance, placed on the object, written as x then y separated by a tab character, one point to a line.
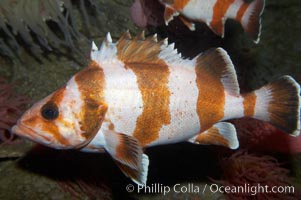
139	92
215	13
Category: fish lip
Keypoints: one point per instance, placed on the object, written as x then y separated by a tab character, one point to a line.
23	131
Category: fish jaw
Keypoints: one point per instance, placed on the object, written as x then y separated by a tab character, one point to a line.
26	132
45	138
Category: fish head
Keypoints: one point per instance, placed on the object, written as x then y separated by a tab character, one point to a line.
63	120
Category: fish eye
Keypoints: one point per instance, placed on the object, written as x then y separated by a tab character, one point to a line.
50	111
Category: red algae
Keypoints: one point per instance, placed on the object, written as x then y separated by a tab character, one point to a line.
260	136
12	106
250	171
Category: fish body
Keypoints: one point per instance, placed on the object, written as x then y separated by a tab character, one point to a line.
139	92
215	13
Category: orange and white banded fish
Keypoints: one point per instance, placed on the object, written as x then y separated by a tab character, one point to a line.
139	92
215	13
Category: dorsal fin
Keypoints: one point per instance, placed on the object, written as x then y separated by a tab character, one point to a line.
140	49
107	51
218	63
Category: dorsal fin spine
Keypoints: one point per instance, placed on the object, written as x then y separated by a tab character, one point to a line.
94	47
139	49
108	38
107	51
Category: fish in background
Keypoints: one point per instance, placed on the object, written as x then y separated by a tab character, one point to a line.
140	92
215	13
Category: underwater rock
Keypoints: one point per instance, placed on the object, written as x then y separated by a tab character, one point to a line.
76	174
18	184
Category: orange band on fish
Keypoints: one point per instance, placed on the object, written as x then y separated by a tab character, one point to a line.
215	13
140	92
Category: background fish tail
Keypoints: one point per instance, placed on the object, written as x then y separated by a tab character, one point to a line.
249	17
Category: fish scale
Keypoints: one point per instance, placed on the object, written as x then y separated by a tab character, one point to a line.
140	92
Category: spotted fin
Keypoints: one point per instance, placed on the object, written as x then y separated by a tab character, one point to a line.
128	155
222	134
169	14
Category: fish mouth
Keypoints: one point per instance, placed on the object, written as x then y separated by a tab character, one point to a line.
23	131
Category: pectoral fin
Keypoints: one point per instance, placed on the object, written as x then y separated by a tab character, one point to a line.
222	133
138	176
128	155
169	14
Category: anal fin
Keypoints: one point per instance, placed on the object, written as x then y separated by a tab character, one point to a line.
222	134
128	154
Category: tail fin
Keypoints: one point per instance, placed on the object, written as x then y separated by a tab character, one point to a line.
249	17
279	104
